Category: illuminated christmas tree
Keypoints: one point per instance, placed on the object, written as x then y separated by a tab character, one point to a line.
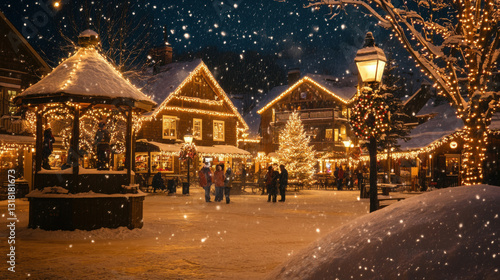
295	152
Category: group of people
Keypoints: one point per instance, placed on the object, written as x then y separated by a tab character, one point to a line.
273	179
345	177
221	180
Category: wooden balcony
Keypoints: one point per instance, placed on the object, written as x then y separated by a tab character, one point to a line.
307	115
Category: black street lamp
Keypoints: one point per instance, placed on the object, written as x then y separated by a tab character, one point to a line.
188	138
370	61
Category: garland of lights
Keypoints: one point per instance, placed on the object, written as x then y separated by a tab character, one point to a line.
296	85
370	115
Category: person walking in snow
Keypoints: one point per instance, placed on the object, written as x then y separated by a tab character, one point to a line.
283	182
219	183
205	176
271	184
227	183
340	178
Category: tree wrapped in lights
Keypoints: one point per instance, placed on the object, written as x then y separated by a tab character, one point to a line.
295	152
457	45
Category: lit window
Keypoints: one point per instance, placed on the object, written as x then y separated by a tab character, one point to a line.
344	112
169	127
329	134
197	129
10	96
452	164
342	131
218	130
335	135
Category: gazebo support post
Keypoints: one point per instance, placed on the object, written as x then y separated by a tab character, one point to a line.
39	141
128	147
74	147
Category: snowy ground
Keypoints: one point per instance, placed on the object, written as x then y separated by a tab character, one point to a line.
445	234
183	238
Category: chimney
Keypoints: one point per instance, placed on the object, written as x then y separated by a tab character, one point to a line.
293	76
161	55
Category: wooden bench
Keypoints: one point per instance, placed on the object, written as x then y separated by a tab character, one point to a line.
391	198
388	199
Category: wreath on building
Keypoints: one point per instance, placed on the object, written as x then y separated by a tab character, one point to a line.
188	150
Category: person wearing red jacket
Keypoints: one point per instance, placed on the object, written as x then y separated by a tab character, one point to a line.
219	183
205	175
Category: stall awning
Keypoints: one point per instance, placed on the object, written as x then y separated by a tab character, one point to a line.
222	151
152	146
205	151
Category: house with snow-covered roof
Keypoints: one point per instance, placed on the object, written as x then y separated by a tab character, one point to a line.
190	102
20	66
433	154
323	103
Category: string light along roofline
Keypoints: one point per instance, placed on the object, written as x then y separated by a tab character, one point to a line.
295	86
177	95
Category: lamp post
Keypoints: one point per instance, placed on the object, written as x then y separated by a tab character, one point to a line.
347	144
188	138
370	61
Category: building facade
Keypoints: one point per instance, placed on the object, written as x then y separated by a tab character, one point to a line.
323	103
190	102
20	66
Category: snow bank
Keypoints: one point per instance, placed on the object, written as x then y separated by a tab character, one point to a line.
446	234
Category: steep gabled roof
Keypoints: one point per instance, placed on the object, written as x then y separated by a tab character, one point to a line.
171	79
326	83
45	68
167	79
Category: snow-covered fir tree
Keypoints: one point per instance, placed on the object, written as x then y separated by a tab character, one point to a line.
295	152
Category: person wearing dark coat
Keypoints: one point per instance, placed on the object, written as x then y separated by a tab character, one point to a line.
340	178
101	141
360	178
48	140
272	184
158	182
283	182
227	184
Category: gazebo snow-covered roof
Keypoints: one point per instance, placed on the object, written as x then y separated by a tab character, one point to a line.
85	77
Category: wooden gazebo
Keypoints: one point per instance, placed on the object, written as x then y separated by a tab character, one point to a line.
84	82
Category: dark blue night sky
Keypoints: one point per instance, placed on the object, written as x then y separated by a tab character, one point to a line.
293	35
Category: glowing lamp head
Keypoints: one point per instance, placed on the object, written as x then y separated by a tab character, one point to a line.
56	4
188	138
370	61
